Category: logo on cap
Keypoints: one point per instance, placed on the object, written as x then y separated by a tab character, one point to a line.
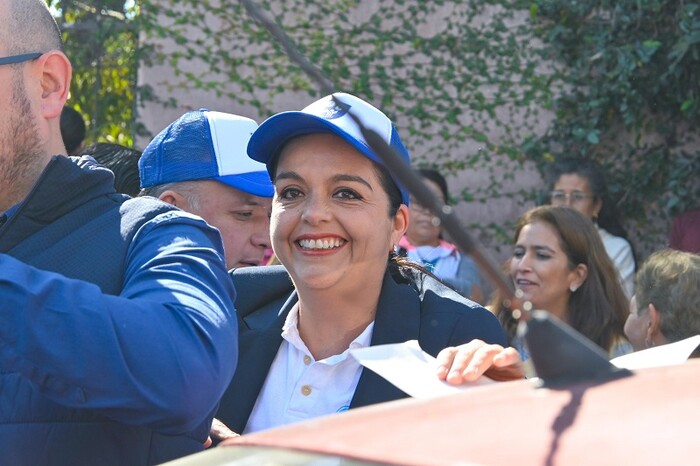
333	111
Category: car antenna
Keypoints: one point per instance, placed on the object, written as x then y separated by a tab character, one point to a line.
560	354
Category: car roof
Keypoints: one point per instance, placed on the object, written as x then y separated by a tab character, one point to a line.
644	418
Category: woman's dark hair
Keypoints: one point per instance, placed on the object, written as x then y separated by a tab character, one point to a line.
392	191
401	266
122	161
72	129
435	176
598	308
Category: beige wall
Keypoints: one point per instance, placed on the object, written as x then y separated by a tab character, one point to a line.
516	177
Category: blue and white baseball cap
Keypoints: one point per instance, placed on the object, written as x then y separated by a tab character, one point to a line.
205	145
325	116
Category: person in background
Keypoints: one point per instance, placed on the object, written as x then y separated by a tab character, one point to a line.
122	161
580	183
72	130
666	307
685	232
423	243
560	265
336	218
117	325
199	164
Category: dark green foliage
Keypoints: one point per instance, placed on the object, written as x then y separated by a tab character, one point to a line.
101	40
633	75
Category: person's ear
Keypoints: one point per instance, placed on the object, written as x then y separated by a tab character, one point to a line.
400	223
578	276
55	76
654	327
175	198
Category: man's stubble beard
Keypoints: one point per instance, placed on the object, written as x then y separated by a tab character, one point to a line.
21	160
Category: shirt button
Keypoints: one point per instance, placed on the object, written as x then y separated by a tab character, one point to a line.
307	359
306	390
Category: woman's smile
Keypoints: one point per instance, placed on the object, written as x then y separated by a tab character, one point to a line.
321	244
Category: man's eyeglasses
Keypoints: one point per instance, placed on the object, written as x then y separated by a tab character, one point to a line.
19	58
561	197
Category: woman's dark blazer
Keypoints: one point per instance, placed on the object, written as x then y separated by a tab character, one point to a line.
412	306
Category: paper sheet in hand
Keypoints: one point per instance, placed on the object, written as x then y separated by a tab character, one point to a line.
665	355
408	368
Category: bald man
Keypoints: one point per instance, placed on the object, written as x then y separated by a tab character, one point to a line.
199	164
117	335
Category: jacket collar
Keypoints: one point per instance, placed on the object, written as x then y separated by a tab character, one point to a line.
65	184
257	350
397	320
398	313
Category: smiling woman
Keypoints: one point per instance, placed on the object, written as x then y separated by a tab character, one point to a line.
331	228
560	265
337	215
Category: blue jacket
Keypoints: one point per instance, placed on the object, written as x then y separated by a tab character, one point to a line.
411	306
117	328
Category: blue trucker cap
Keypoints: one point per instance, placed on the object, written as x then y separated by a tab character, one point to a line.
325	116
205	145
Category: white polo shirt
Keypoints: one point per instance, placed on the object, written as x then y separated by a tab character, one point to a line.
297	387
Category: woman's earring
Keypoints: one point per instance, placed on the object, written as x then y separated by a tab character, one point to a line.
573	288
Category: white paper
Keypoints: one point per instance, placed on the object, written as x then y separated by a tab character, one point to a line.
409	368
666	355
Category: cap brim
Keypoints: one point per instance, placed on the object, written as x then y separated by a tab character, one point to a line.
269	138
255	183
